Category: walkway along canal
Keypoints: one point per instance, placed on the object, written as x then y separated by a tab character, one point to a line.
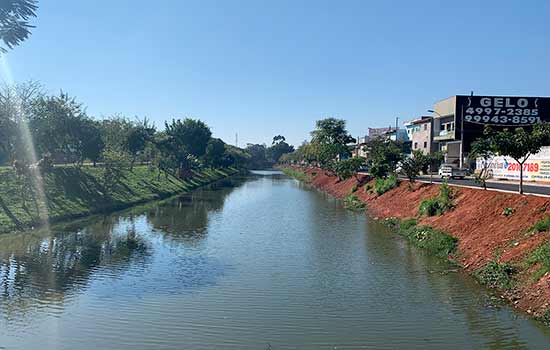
252	262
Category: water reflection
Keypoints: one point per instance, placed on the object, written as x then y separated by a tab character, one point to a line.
37	270
185	218
45	268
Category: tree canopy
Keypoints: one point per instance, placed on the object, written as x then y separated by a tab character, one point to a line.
518	144
15	24
383	156
331	131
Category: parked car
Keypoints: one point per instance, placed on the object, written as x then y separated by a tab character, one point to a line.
452	172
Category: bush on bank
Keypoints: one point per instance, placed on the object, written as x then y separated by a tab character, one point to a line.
382	185
352	202
437	205
434	241
541	226
541	256
495	275
297	174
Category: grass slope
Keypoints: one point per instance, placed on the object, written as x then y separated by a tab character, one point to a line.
73	192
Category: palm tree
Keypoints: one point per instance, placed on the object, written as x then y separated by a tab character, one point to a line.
14	21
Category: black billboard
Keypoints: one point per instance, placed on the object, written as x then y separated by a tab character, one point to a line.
474	113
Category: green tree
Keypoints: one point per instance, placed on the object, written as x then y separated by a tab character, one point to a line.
258	155
482	149
185	141
236	156
116	161
115	131
137	139
91	143
331	131
190	134
215	153
16	101
383	156
278	148
434	159
347	168
15	24
277	139
412	166
56	124
329	142
520	144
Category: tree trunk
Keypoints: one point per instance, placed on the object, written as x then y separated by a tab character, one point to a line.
10	215
520	178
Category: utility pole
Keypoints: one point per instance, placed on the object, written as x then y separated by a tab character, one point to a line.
236	140
396	127
461	165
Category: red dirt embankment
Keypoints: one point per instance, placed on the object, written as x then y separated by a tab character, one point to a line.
477	220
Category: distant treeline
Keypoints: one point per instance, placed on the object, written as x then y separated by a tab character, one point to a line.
57	129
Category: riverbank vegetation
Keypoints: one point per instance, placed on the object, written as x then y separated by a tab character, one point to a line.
540	257
75	192
383	185
439	204
496	275
56	161
297	174
352	202
435	242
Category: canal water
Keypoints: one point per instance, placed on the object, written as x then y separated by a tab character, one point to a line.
252	262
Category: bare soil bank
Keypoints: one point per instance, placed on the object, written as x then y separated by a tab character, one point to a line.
484	233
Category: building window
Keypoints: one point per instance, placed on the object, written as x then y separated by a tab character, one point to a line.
448	126
425	127
415	145
425	144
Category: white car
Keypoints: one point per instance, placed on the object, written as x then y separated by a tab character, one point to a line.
451	172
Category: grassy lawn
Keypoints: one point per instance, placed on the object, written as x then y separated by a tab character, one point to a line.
73	192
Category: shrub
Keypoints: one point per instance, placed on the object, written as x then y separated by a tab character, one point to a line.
352	202
429	207
545	318
382	186
541	255
436	242
407	224
392	222
297	174
541	225
508	211
354	188
495	275
438	205
368	188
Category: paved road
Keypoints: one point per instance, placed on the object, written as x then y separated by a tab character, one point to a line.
503	186
528	188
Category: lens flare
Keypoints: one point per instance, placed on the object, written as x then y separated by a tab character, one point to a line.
28	142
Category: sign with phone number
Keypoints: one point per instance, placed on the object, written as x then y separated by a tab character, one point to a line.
505	168
496	110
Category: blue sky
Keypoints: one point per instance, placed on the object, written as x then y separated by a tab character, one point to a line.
261	68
